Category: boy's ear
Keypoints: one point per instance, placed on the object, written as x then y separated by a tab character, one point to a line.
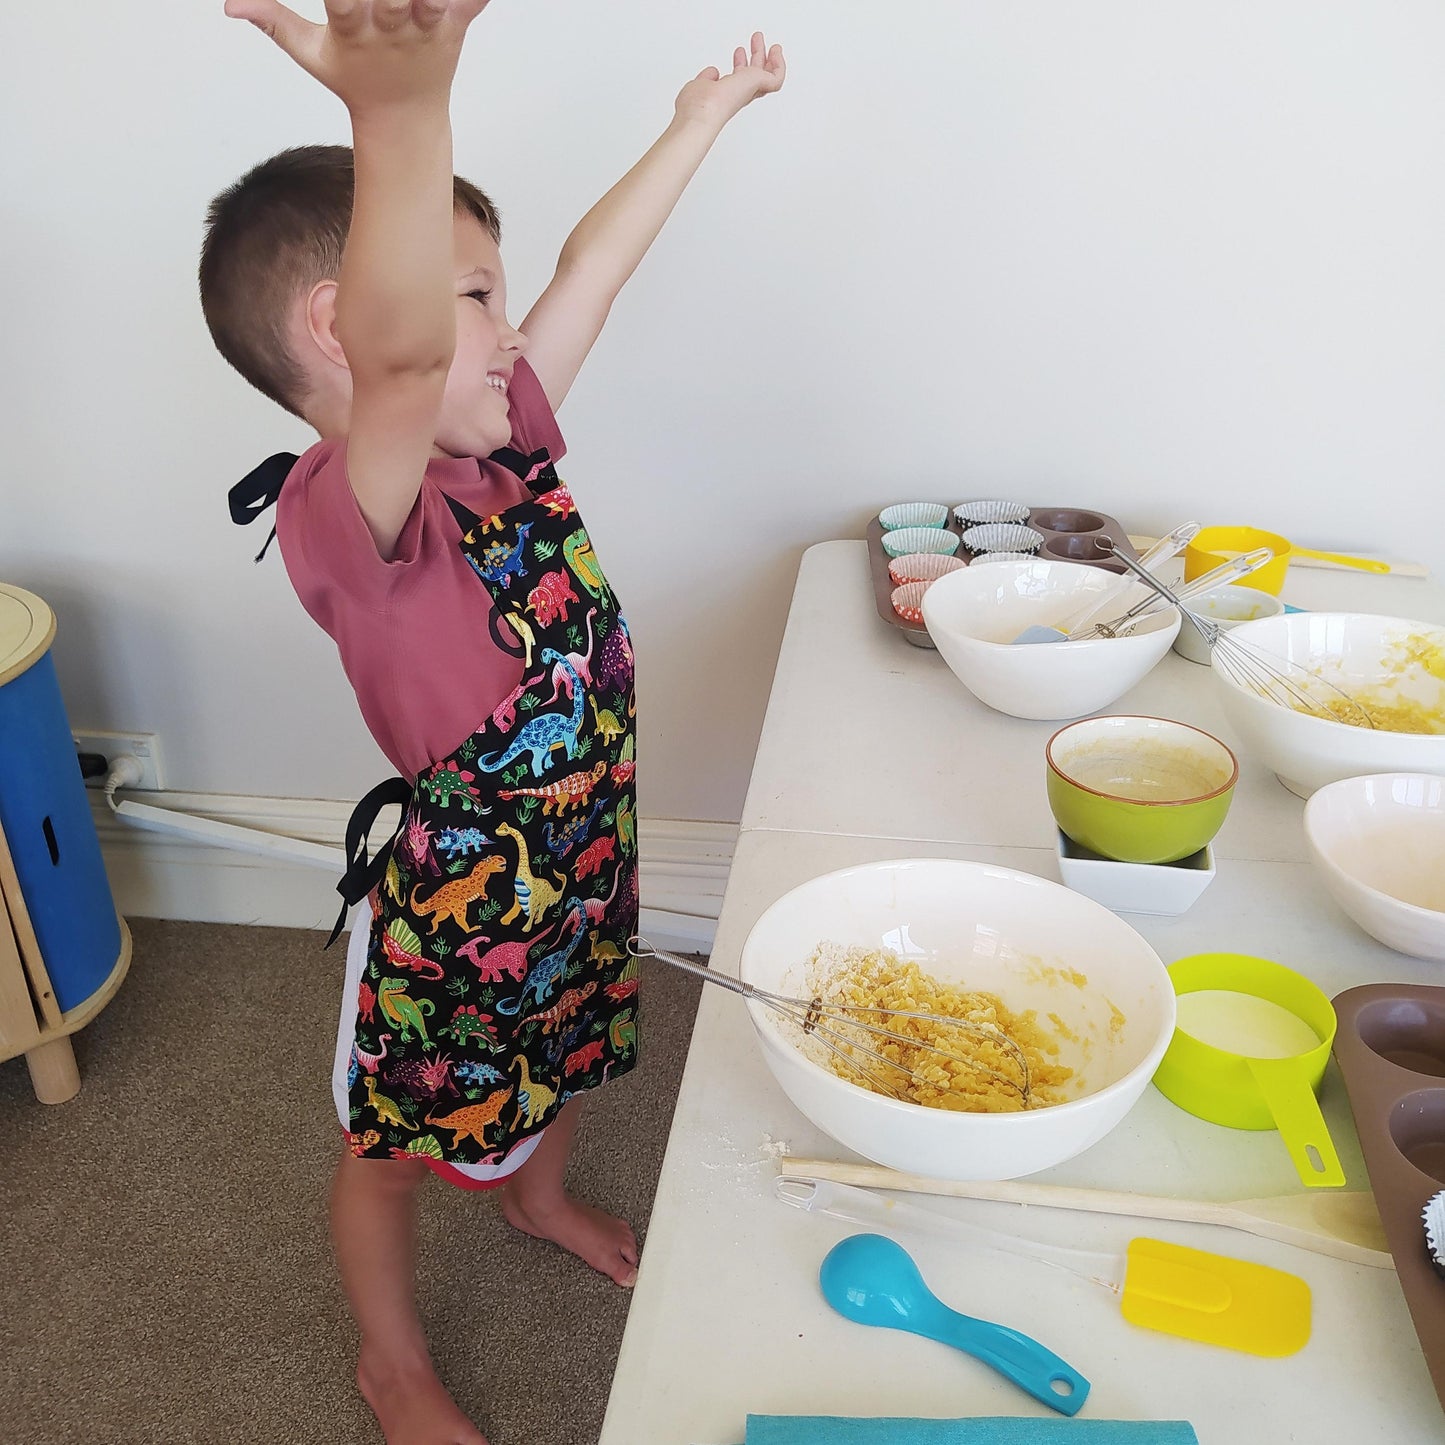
320	320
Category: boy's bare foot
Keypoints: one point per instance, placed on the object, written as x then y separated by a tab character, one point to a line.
411	1404
602	1240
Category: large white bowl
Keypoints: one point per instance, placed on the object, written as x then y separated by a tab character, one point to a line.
1352	648
989	928
1379	843
974	614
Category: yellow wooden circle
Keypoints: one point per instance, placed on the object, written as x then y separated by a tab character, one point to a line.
27	627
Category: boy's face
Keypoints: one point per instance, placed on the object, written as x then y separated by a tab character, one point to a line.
475	419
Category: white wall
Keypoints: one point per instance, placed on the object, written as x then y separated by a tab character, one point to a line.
1166	259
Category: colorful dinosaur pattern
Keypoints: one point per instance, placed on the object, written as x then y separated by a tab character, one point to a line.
452	900
459	842
497	965
569	792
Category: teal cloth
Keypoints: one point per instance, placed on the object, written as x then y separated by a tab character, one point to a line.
822	1430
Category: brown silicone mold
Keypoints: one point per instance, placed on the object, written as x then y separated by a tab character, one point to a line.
1068	534
1391	1051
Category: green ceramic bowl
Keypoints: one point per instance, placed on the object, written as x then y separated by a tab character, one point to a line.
1139	789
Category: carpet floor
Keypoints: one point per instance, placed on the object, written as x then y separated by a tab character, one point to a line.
167	1274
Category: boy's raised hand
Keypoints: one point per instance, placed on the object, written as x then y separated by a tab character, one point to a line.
371	54
714	97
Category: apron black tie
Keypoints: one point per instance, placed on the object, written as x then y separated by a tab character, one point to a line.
259	489
361	875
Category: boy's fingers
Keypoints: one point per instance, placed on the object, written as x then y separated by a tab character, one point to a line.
390	15
428	14
284	26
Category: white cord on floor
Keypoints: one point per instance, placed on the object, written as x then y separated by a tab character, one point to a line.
125	771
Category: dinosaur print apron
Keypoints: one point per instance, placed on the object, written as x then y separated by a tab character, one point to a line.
496	983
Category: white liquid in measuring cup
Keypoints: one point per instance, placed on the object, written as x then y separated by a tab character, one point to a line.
1244	1024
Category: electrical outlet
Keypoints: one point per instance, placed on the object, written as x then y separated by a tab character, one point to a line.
143	747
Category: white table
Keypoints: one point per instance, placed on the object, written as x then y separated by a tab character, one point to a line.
727	1317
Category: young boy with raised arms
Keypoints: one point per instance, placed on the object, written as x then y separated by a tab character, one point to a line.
488	981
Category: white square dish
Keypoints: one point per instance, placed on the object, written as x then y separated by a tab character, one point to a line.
1163	889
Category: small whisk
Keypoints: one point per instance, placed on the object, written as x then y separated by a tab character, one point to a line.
1251	668
826	1022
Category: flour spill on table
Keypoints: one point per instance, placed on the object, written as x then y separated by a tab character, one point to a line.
722	1151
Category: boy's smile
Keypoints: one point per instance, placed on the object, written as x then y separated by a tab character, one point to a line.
476	416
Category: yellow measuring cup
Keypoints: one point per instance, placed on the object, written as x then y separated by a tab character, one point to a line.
1212	545
1249	1050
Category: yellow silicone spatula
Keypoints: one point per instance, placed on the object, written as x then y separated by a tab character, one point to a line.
1211	1298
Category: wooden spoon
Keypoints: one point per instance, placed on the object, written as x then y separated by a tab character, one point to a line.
1343	1225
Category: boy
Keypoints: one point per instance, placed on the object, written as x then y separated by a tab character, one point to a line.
429	535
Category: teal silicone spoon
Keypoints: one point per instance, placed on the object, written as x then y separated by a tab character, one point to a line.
873	1281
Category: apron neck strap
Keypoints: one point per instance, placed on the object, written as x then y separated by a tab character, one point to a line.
467	519
534	468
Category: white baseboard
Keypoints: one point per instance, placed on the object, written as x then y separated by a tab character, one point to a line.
683	868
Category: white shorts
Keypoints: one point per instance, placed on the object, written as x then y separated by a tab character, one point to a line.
468	1176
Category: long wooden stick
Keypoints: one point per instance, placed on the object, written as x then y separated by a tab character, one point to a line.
1342	1225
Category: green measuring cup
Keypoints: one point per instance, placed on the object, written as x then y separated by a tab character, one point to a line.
1254	1057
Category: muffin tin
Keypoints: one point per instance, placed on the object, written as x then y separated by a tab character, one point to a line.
1068	534
1391	1051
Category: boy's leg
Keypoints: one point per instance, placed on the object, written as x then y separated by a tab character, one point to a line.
373	1227
536	1203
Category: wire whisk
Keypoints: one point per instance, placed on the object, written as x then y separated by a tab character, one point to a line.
1251	668
828	1023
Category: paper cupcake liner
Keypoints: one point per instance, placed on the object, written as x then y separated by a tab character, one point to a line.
1004	557
922	567
908	600
1002	537
919	539
977	514
913	514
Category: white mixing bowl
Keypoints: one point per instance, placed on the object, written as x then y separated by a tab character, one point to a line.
1379	844
1360	653
995	929
974	614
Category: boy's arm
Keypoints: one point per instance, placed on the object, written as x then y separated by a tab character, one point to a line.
391	63
610	240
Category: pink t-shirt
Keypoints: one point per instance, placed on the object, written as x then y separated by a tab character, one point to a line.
413	633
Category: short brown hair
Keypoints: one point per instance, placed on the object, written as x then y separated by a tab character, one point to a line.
272	236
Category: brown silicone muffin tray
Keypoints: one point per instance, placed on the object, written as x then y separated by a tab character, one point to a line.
1391	1051
1068	534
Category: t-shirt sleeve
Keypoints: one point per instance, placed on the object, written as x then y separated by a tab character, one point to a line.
324	539
534	424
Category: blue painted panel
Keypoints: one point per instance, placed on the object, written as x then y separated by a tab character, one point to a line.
46	816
